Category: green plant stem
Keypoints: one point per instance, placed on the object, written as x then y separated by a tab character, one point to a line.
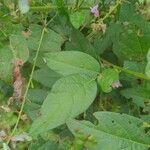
110	11
28	85
42	8
47	8
136	74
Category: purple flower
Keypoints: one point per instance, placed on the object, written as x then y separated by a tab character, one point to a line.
95	11
116	84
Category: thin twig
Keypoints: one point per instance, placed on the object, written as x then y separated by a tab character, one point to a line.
28	85
51	19
29	82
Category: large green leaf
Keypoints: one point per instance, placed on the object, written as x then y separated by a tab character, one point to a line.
69	97
114	131
70	62
51	42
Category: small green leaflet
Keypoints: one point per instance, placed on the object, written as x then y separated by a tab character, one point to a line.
114	130
71	62
106	79
78	18
69	97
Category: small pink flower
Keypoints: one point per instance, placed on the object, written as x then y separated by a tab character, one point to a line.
116	84
95	11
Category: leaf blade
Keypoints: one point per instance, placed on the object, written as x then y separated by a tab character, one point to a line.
69	97
71	62
106	134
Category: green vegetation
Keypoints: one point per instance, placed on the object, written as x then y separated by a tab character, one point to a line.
74	74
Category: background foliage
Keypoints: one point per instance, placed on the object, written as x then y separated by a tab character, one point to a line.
74	74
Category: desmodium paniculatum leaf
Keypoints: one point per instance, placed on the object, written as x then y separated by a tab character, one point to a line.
71	62
70	96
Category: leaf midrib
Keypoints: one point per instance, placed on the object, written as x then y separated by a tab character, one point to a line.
86	69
